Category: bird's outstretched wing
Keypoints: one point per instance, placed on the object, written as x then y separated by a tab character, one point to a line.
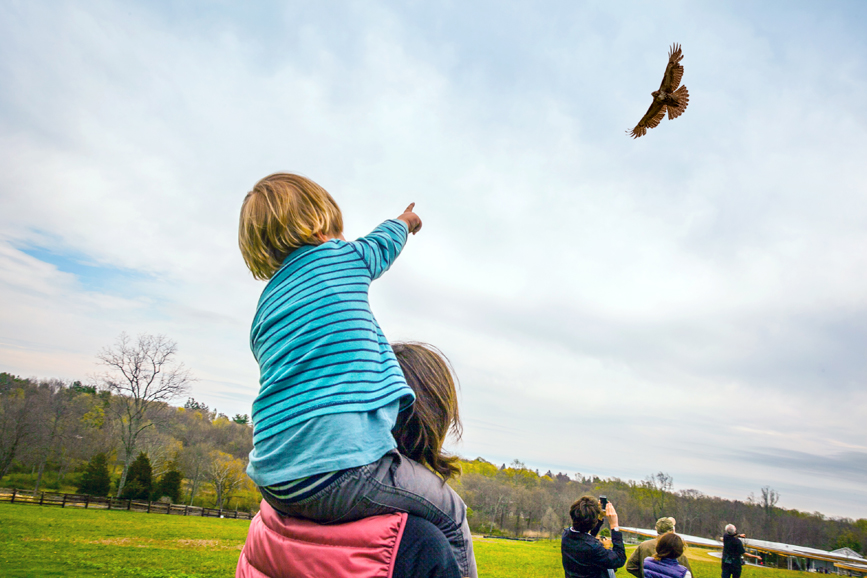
651	119
673	70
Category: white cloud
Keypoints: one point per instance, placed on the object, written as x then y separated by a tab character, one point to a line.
692	286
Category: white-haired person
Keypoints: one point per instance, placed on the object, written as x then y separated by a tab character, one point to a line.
733	552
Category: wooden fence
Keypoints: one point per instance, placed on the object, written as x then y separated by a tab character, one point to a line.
94	502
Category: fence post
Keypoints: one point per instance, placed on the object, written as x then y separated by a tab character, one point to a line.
149	507
186	509
86	501
203	512
14	491
41	498
63	504
129	504
169	508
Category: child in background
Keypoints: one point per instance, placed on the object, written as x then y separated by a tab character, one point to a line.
330	386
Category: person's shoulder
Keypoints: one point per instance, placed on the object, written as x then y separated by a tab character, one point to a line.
648	546
571	535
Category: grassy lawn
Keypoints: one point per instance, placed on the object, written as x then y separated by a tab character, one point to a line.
50	541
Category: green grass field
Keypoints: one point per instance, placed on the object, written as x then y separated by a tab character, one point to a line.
50	541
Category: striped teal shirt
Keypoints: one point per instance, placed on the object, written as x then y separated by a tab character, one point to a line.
319	348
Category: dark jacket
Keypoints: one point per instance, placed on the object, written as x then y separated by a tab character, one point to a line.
733	549
585	557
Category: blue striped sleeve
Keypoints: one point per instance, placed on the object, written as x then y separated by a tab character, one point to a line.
381	247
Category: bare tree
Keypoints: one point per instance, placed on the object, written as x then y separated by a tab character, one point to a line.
658	487
144	376
770	497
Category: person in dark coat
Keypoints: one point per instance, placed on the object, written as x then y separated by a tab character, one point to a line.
583	555
733	552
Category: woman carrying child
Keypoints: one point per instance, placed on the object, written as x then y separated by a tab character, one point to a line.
331	388
275	548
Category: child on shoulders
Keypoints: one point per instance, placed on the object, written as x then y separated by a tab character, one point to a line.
330	386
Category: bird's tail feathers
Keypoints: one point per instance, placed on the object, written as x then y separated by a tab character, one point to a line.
682	96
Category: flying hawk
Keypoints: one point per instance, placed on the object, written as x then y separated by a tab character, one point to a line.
668	98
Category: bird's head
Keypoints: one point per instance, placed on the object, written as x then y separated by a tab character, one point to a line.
655	94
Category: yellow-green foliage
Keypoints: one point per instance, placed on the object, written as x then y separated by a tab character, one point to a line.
479	466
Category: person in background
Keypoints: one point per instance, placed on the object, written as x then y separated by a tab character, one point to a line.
583	555
635	564
733	552
664	562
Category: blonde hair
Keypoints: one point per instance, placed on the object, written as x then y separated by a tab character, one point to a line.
283	212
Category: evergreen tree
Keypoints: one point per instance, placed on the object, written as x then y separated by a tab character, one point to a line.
139	481
96	480
170	485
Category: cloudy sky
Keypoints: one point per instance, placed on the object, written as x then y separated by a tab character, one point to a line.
694	301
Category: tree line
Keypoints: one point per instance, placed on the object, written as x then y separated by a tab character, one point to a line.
94	436
119	434
516	500
71	435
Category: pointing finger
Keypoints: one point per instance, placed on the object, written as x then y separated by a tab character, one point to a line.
409	208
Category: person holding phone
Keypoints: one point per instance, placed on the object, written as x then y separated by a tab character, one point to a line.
583	555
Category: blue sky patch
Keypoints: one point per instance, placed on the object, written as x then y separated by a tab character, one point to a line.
92	276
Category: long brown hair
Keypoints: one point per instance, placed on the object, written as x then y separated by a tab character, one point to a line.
422	428
670	545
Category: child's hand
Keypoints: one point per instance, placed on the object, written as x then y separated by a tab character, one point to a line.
413	222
